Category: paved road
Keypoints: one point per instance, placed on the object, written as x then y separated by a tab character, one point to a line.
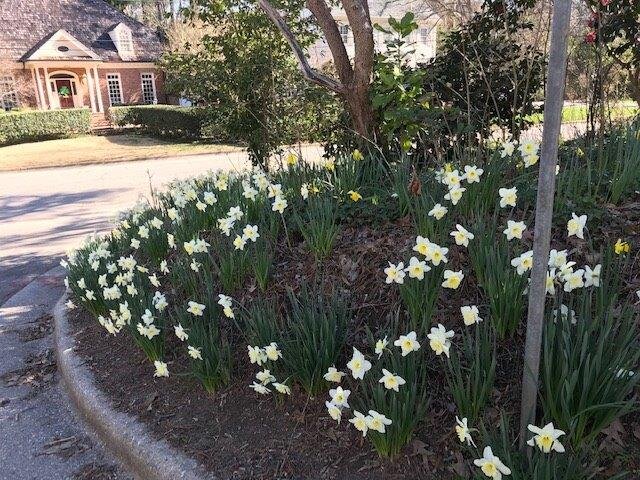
45	212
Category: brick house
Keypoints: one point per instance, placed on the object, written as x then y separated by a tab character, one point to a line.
76	53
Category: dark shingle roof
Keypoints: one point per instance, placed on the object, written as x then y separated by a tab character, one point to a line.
27	24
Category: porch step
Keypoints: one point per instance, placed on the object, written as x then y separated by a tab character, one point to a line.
99	122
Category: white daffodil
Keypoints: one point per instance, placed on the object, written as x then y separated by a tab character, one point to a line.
90	295
592	277
472	174
451	179
279	204
209	198
550	284
565	314
452	279
156	223
470	315
196	309
574	280
377	421
358	364
334	375
491	465
265	377
259	388
236	213
438	254
282	388
423	246
508	197
395	273
334	411
239	242
153	279
171	241
464	432
507	149
455	194
70	305
226	303
360	422
462	236
274	190
340	397
439	339
417	268
143	232
257	355
546	438
180	332
81	284
381	345
147	317
523	263
514	229
250	232
272	351
201	206
438	211
195	353
304	193
576	225
161	369
391	381
407	343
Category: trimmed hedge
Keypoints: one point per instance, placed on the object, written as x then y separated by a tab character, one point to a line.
170	121
27	126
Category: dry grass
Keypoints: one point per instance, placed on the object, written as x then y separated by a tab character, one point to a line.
97	149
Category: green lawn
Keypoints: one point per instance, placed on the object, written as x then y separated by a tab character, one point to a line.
578	113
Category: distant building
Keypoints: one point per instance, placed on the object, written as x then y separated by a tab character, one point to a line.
76	53
423	40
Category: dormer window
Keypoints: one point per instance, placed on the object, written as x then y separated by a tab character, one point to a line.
123	40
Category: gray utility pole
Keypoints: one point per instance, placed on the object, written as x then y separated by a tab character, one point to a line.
556	73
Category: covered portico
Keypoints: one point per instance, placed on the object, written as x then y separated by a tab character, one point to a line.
66	84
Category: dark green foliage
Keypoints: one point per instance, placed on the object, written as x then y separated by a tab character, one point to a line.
28	126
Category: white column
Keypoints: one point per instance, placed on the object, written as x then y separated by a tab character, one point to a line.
47	87
98	89
43	102
35	89
90	87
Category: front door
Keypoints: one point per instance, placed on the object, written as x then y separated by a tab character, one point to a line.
65	93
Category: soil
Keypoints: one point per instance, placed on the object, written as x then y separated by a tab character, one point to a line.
241	435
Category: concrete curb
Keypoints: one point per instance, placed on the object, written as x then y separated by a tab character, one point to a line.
123	435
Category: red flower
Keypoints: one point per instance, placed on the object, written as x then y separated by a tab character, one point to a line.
590	37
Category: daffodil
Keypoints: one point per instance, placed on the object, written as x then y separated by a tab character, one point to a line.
239	242
528	147
507	149
304	191
201	206
257	355
250	232
355	196
381	345
377	421
438	254
451	179
161	369
470	315
135	243
417	268
279	204
472	174
358	364
407	343
423	246
395	273
209	198
439	339
454	195
491	465
452	279
357	155
143	232
514	229
282	388
265	377
340	397
194	352
196	309
557	258
621	247
546	438
550	284
334	411
574	280
462	236
329	164
523	263
360	422
508	197
438	211
464	432
291	158
333	375
576	225
391	381
259	388
592	277
180	332
273	352
70	305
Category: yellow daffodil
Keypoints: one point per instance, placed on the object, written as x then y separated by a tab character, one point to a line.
621	247
291	158
357	155
355	196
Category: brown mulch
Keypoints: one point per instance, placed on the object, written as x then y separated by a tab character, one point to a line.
241	435
43	326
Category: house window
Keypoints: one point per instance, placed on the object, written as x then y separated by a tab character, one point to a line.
125	43
8	94
148	88
344	33
425	36
114	87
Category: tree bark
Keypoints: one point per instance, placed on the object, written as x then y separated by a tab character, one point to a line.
544	211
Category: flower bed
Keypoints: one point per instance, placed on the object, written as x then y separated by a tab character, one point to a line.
334	310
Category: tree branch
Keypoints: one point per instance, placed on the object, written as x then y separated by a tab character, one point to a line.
307	71
358	14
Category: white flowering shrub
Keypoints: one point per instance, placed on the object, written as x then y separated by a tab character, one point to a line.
378	290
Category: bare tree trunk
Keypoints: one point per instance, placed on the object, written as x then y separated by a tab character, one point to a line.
557	69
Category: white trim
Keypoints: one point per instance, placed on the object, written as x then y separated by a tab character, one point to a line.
68	37
33	79
153	87
115	74
43	102
48	87
91	89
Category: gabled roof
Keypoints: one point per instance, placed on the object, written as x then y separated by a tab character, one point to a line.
26	25
47	50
